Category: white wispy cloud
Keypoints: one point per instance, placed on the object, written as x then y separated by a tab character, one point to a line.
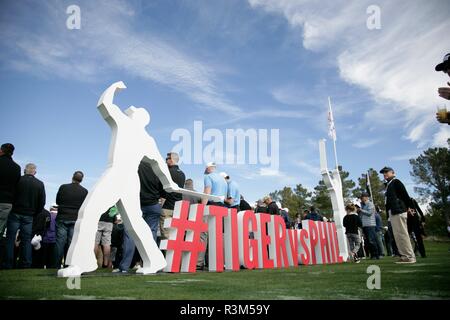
109	42
395	64
361	144
312	169
441	137
404	157
294	95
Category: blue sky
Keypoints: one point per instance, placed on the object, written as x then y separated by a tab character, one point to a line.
231	64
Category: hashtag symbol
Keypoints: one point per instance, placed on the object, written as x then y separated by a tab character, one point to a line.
184	243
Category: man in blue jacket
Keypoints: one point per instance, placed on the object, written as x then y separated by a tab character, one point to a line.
367	214
233	195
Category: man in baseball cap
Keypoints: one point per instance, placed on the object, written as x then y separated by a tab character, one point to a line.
233	195
398	206
386	169
214	184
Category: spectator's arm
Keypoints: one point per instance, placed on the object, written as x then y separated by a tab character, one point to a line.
58	196
18	174
370	210
41	201
207	189
444	92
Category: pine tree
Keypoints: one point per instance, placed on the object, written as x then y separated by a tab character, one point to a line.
377	187
347	185
295	200
431	171
321	199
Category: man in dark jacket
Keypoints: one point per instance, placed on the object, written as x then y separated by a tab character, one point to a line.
151	192
261	207
398	206
69	199
170	198
29	201
416	221
244	205
272	207
9	176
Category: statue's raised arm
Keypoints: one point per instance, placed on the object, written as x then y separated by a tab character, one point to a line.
105	104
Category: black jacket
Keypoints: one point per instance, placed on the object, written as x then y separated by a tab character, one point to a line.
41	222
9	176
151	187
69	199
272	208
397	198
244	205
179	178
351	223
260	209
29	196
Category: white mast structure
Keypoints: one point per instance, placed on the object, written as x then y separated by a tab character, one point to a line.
334	184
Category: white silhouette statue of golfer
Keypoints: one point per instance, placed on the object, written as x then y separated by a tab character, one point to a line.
120	185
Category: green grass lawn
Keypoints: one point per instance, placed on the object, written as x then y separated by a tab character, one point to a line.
429	278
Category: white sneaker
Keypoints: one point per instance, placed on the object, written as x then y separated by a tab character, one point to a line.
119	271
70	271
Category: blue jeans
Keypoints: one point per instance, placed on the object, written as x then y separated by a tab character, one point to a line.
64	233
151	215
380	245
371	235
25	224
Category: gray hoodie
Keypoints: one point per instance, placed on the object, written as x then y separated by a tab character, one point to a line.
367	214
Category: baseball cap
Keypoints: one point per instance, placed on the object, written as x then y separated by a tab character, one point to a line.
386	169
224	175
210	164
445	64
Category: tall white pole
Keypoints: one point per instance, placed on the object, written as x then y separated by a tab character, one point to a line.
334	137
369	185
